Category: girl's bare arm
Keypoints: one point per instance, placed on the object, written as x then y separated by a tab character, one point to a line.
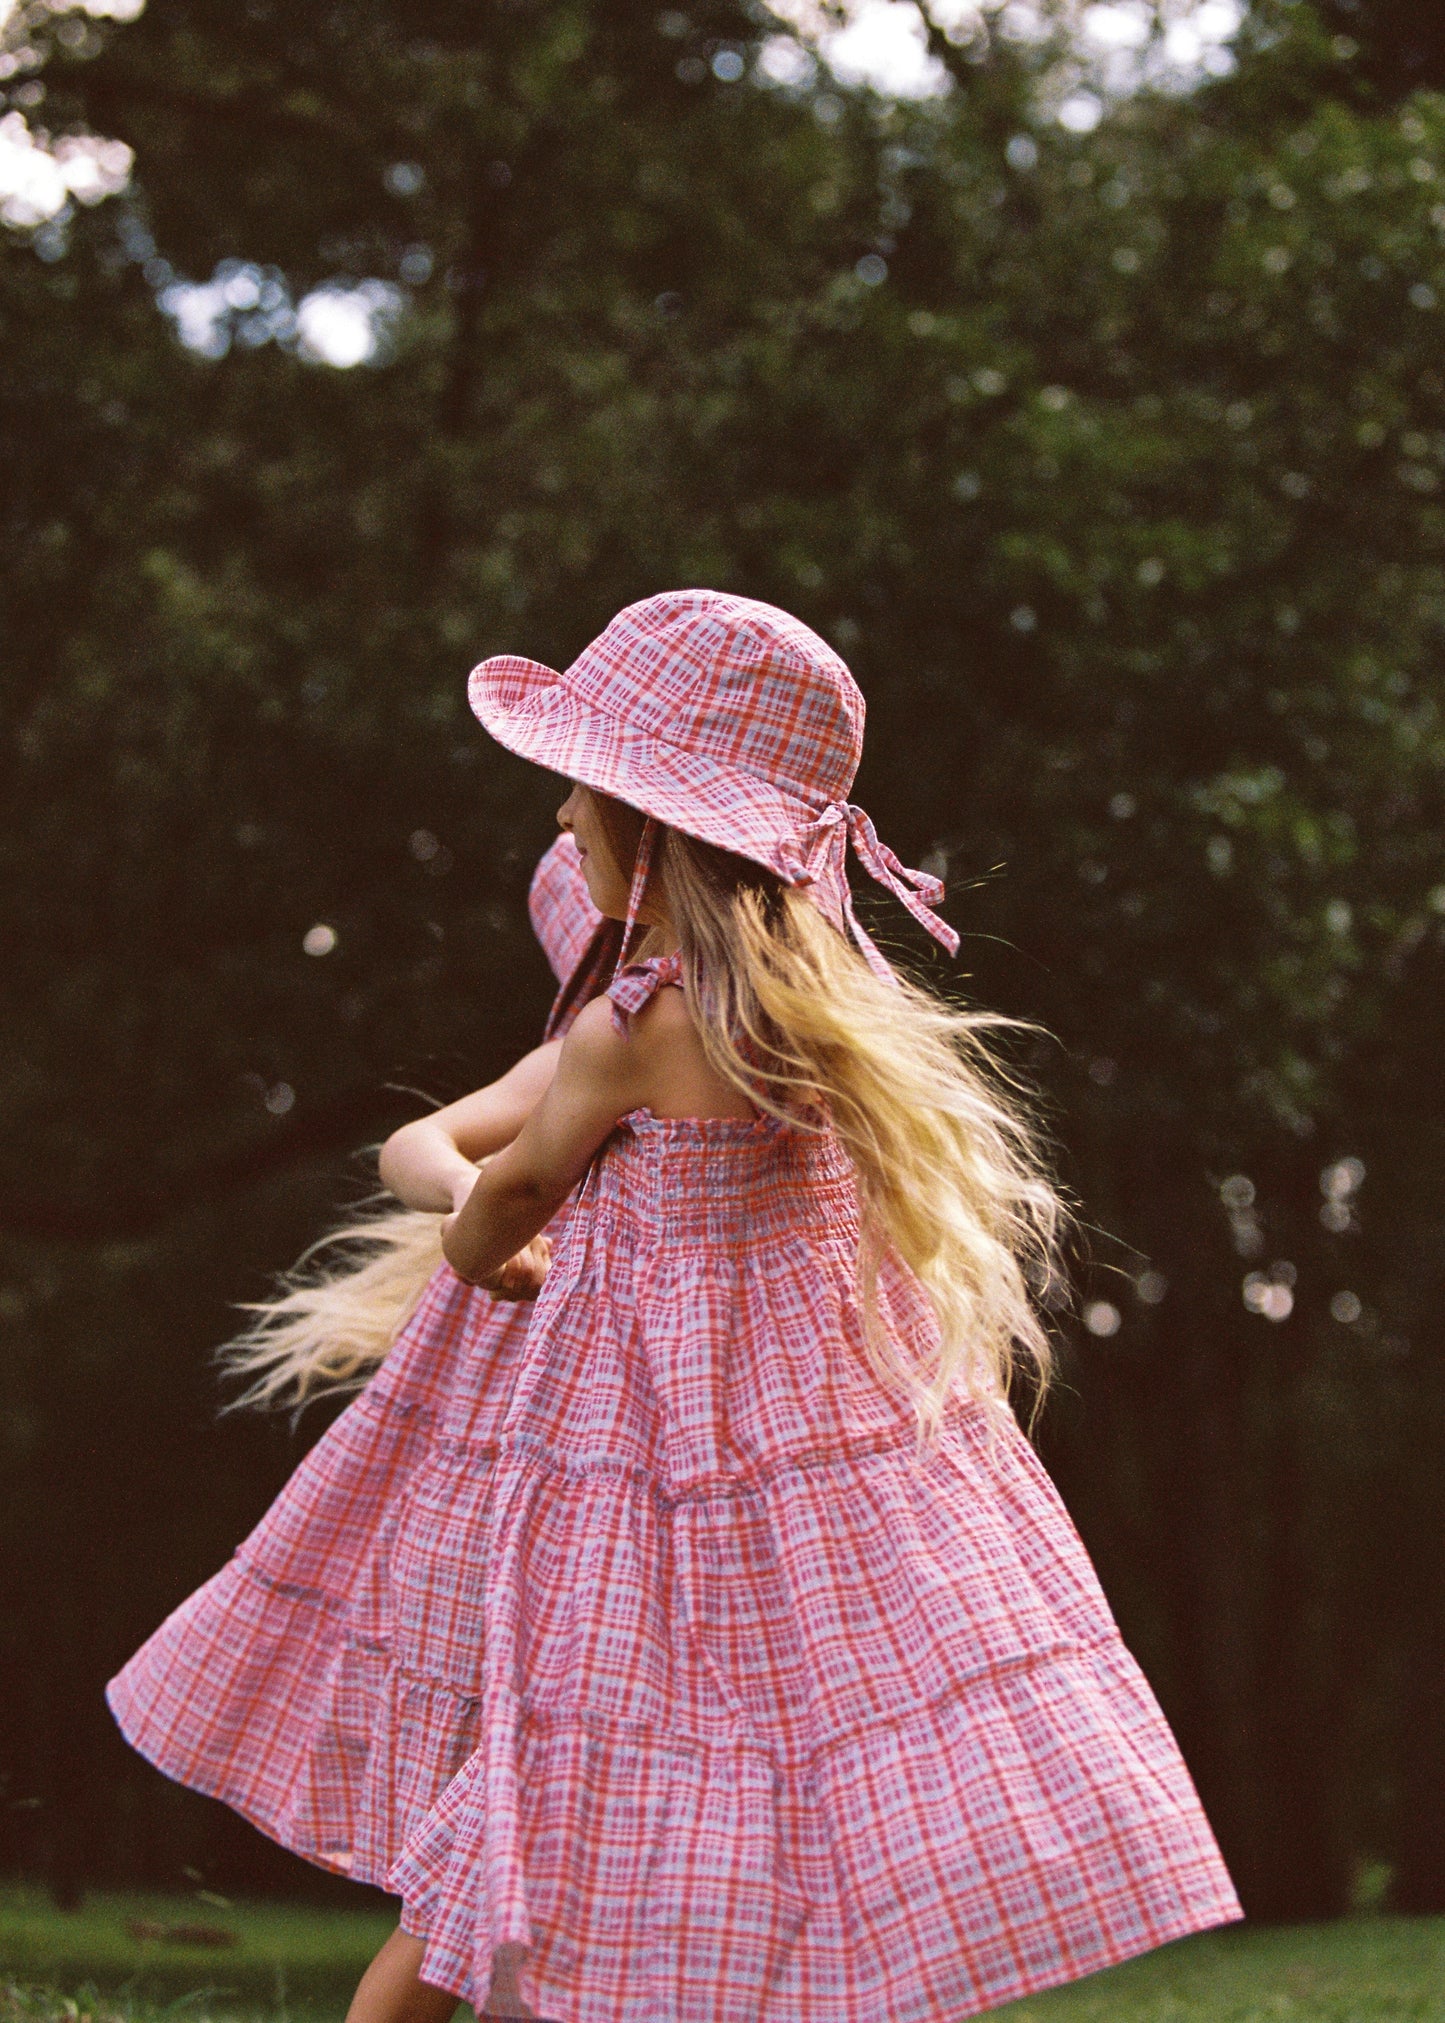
600	1075
431	1162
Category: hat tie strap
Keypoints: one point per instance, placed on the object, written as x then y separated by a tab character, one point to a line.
641	866
912	887
851	824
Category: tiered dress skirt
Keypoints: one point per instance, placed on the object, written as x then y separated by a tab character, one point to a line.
629	1641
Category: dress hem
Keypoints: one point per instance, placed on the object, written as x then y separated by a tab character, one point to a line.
217	1788
1035	1984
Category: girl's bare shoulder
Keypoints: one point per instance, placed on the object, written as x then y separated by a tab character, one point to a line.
672	1064
595	1043
607	1042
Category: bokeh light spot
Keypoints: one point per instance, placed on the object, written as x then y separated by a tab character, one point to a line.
1267	1296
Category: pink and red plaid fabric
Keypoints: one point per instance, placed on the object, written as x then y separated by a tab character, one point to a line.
624	1637
276	1686
774	1724
723	717
560	908
273	1687
582	944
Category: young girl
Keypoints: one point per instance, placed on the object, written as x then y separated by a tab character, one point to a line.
796	1698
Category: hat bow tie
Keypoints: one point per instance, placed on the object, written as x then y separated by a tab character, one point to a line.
817	855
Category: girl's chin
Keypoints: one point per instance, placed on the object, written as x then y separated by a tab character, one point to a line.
605	903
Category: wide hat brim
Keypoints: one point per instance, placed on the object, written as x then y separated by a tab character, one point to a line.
533	711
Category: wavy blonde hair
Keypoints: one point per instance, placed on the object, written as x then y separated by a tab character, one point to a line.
951	1177
337	1312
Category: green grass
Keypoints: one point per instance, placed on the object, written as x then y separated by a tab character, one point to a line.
286	1960
291	1965
1360	1970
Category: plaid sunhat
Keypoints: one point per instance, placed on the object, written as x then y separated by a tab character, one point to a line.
560	907
723	717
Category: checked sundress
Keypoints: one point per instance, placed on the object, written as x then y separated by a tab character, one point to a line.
775	1722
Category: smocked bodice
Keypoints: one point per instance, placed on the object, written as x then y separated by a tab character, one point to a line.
734	1181
722	1181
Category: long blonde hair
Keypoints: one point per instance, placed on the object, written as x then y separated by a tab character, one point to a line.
336	1313
951	1178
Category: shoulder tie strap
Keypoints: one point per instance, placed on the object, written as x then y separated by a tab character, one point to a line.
638	983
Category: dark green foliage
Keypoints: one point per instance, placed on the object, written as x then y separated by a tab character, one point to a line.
1120	489
1399	45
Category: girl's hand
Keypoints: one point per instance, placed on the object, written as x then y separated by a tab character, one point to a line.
521	1277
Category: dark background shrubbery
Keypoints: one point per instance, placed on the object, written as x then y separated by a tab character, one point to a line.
1120	488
